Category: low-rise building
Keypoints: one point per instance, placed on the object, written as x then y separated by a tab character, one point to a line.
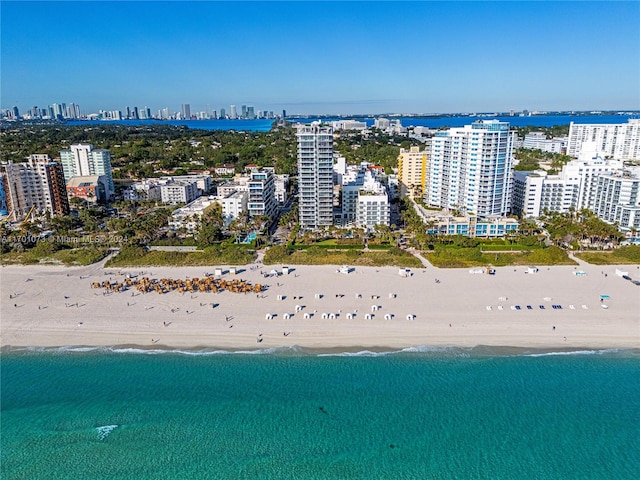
471	226
349	125
178	192
365	201
189	217
372	207
226	188
202	182
539	141
225	170
91	188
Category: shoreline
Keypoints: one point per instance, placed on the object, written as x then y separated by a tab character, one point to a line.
55	307
295	351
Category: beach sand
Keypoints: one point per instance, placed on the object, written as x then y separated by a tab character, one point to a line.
50	306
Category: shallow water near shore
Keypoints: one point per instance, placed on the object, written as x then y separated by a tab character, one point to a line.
287	413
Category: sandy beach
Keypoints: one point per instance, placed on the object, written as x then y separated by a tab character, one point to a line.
49	306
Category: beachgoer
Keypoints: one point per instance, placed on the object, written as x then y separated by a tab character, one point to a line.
554	328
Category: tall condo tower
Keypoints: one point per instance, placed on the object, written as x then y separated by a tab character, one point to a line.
38	184
469	168
315	175
82	160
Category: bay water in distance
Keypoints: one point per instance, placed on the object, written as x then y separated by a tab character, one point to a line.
289	414
263	125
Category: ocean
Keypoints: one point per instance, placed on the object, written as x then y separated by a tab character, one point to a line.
289	414
431	122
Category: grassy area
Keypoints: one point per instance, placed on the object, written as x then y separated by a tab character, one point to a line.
69	257
456	257
628	255
131	256
315	255
504	248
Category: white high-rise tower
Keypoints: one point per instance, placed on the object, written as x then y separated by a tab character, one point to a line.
82	160
315	175
469	168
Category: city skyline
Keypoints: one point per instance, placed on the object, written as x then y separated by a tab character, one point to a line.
323	58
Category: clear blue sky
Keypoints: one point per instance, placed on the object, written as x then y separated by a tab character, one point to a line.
327	57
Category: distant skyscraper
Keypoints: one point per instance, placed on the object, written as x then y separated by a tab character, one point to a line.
135	113
186	111
251	113
233	114
57	111
82	160
73	111
315	175
223	113
147	110
244	111
128	114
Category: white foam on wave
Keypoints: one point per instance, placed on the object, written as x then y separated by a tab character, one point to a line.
573	352
296	350
105	430
363	353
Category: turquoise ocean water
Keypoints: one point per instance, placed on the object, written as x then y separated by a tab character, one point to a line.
441	414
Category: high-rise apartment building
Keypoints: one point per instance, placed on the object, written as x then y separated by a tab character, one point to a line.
469	168
82	160
575	187
262	200
315	175
618	198
620	141
186	111
234	114
412	172
38	183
